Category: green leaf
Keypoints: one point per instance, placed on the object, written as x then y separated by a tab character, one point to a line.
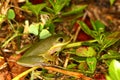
72	65
114	70
98	26
83	66
111	39
52	3
25	6
34	28
112	2
34	8
93	25
78	59
75	10
58	5
37	28
44	34
92	61
10	14
111	55
85	28
50	10
50	25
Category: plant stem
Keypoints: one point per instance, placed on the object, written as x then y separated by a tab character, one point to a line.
24	73
76	44
6	42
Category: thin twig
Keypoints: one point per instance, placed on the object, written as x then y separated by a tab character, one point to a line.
70	73
66	60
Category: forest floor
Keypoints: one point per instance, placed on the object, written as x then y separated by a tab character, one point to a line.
93	27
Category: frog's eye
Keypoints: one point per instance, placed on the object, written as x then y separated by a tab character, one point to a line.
60	39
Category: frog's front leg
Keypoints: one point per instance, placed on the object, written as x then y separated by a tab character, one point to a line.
31	61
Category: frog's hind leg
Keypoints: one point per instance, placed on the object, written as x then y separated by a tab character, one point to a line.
31	61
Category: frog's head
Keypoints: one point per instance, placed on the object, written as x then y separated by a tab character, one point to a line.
59	41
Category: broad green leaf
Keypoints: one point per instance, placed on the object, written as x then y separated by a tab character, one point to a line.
44	34
10	14
92	61
35	28
114	70
85	52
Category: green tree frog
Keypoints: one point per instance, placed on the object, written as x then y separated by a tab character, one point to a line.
42	51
